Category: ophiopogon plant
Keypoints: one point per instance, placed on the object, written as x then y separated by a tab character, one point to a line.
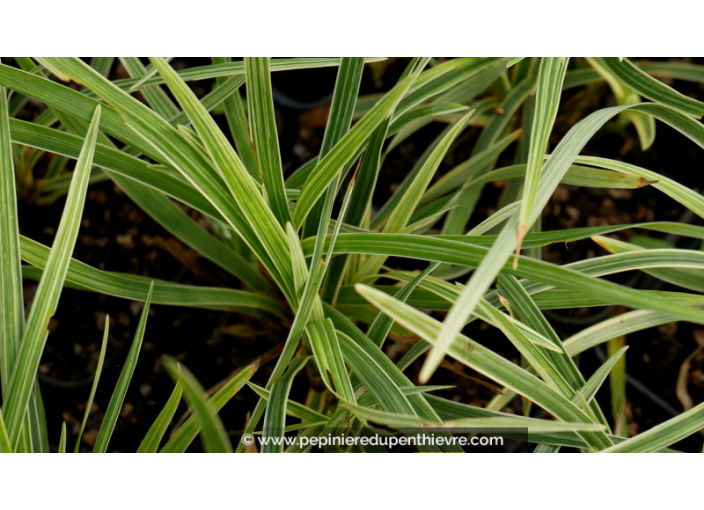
321	248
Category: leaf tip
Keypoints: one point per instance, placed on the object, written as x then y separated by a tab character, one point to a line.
601	241
504	302
361	289
642	182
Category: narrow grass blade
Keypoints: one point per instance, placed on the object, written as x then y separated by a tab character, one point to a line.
150	443
49	289
310	303
5	445
330	166
293	408
649	87
62	440
621	325
156	138
459	176
213	434
547	98
363	351
37	418
155	96
617	385
275	416
128	286
552	173
392	203
344	97
495	219
413	193
185	228
645	125
525	308
533	426
382	324
11	303
688	278
446	76
487	362
664	434
432	110
185	435
578	277
94	387
595	381
685	196
499	123
236	119
415	352
148	73
264	135
328	356
176	221
529	349
123	382
240	184
575	176
237	68
560	299
386	418
385	390
410	199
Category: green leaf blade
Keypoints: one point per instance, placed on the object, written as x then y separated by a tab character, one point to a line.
150	443
12	317
551	75
49	289
184	436
123	382
264	135
649	87
96	379
212	431
275	416
329	167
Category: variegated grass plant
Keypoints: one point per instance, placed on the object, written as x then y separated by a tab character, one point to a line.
278	235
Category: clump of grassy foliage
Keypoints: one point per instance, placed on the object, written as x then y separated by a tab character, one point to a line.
297	259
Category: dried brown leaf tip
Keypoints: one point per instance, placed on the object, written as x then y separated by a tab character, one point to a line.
522	230
504	302
642	182
599	240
